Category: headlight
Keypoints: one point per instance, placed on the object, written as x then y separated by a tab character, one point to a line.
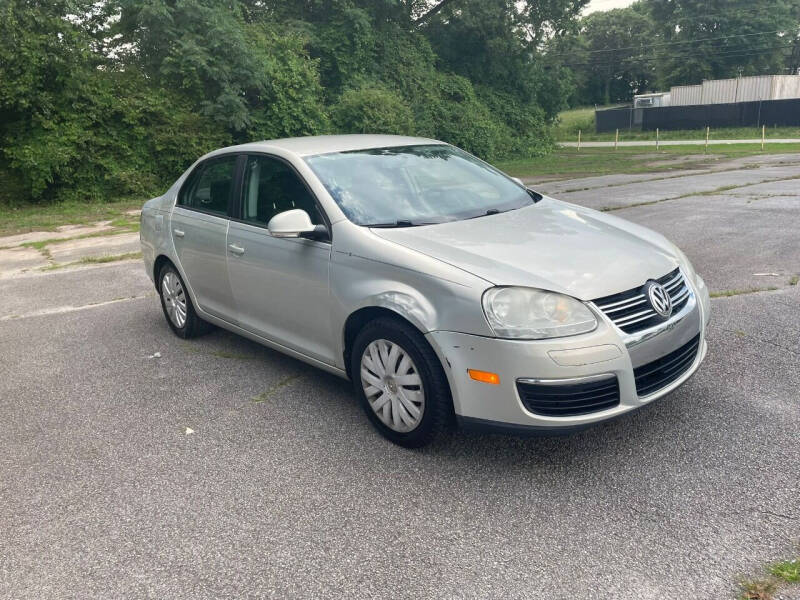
527	313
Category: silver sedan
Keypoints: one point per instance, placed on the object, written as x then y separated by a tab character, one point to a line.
444	289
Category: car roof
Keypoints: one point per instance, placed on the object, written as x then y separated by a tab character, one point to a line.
325	144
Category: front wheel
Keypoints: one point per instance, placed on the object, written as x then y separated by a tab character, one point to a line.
400	383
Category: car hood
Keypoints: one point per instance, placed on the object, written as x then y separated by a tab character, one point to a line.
549	245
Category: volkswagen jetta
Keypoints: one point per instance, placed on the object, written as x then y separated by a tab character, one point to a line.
440	286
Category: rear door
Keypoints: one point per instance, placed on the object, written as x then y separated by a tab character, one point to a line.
280	284
199	228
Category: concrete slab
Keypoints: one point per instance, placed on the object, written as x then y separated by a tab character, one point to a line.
74	250
788	187
730	239
17	260
63	232
555	188
707	164
62	290
664	189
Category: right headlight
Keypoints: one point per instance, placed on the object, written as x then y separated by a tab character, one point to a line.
528	313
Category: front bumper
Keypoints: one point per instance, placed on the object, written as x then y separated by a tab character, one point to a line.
605	352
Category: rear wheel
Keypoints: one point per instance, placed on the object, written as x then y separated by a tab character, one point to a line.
178	308
400	383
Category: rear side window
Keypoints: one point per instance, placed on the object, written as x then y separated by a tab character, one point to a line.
270	187
209	186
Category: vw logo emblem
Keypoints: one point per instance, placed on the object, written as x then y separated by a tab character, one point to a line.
659	298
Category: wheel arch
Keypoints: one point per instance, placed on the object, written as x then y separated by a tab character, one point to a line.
356	321
158	264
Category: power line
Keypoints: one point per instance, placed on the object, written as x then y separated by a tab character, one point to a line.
661	44
733	53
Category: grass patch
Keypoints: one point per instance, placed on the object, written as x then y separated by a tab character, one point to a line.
729	293
95	260
570	121
780	573
787	570
264	396
758	589
40	245
794	279
46	217
568	163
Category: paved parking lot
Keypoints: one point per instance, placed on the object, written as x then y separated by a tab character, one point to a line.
223	469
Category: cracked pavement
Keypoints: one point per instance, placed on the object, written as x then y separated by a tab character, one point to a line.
282	489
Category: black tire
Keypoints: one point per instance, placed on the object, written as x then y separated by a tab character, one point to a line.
438	410
194	325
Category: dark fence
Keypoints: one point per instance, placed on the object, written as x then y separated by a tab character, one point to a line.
739	114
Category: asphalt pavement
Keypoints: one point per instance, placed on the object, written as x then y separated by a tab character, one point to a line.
135	464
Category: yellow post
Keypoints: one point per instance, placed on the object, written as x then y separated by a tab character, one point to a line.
579	140
708	131
616	139
657	145
763	135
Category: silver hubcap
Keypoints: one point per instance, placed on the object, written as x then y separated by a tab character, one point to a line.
392	385
174	299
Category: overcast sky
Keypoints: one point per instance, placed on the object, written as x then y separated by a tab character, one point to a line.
595	5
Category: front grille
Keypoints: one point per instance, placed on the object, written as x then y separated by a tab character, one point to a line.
566	400
631	311
660	373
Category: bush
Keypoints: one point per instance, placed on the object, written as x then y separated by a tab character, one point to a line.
372	109
91	114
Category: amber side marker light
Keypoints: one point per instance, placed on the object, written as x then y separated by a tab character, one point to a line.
484	376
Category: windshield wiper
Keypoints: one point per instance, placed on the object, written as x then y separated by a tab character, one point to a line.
491	211
399	223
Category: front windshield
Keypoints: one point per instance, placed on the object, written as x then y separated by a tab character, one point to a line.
415	185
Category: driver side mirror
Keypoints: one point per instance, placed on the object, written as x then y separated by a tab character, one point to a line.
295	223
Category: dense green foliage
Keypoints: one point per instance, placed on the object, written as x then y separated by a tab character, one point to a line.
655	44
114	98
106	99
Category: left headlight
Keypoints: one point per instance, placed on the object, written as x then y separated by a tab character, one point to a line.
528	313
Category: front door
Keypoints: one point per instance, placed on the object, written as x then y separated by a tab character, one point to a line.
199	228
280	284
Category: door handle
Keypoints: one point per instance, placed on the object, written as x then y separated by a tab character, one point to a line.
178	232
237	250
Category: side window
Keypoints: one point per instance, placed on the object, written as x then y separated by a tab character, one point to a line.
271	187
209	187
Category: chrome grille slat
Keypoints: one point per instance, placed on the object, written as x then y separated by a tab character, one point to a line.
646	314
631	311
650	315
680	295
605	307
626	306
671	282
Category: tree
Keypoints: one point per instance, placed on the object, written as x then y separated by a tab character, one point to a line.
610	55
247	76
714	39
